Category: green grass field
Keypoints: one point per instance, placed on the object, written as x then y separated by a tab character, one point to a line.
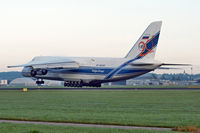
117	86
31	128
128	107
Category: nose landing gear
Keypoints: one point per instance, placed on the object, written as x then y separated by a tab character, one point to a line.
39	82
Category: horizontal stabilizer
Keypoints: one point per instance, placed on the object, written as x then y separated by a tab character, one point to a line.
168	68
141	64
166	64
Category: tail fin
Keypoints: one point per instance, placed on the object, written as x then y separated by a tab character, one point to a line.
145	47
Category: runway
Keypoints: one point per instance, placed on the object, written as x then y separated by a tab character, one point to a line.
86	125
104	88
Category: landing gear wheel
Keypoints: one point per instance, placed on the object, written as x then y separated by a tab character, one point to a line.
73	83
39	82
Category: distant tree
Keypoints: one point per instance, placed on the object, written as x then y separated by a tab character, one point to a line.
10	75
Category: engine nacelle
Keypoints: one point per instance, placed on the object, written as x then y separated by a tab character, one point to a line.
26	72
30	72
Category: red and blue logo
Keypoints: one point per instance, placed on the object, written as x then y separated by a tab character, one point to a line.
146	46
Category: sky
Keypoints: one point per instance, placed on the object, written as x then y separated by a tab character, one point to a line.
97	28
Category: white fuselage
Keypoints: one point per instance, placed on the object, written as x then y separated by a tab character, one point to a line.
101	69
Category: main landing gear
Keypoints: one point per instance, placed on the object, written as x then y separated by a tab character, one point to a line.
73	83
81	84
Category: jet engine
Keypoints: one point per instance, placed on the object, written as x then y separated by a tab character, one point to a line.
30	72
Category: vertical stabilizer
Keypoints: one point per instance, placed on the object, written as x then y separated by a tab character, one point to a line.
145	47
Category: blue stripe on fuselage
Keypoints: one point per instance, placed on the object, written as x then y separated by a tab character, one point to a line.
84	70
96	71
120	67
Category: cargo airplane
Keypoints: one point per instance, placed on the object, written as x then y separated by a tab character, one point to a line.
90	71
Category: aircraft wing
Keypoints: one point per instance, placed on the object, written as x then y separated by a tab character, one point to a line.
167	68
50	63
141	64
60	65
145	63
22	65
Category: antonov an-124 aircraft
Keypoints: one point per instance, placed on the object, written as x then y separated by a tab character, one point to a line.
89	71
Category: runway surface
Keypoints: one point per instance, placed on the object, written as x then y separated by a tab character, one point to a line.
85	125
91	88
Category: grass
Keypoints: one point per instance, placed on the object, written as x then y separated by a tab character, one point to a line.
117	86
169	108
31	128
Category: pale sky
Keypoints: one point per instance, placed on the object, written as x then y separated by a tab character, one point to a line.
97	28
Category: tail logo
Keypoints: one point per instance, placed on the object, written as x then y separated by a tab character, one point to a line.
146	47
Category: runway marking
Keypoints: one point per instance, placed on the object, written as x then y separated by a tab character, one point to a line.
85	125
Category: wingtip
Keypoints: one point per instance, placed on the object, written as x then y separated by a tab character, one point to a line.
9	66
